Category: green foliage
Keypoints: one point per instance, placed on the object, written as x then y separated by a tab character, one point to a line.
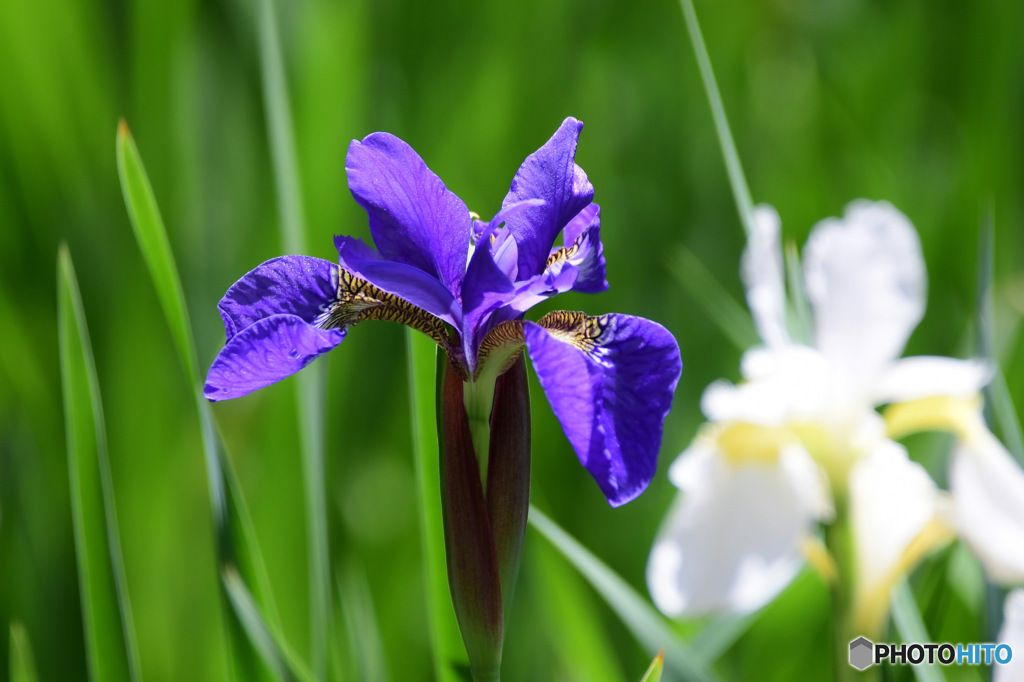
107	614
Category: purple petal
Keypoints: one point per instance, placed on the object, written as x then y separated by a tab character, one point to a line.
414	218
584	250
266	352
289	285
550	174
610	381
405	281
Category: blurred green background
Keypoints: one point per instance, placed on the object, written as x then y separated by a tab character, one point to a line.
907	101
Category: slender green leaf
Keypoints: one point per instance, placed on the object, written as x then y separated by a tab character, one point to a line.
653	673
276	653
740	191
731	317
715	638
236	539
799	314
647	626
911	628
446	642
365	641
107	615
1002	413
23	667
310	385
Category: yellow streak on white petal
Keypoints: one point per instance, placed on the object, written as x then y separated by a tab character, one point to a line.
819	558
742	443
871	604
960	416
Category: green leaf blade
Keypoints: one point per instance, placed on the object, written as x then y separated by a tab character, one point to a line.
23	667
109	630
653	673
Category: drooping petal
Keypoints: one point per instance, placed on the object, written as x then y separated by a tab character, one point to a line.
763	276
551	174
265	352
1012	633
866	283
894	507
610	381
414	218
925	376
732	540
405	281
583	249
288	285
988	506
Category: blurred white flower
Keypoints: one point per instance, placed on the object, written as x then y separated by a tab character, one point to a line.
802	429
1012	633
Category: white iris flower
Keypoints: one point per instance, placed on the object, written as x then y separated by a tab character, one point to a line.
800	441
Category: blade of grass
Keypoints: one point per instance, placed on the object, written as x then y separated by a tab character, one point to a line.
731	317
740	190
446	642
911	628
361	623
799	314
310	385
653	673
716	637
1000	410
236	542
23	667
106	611
647	626
276	653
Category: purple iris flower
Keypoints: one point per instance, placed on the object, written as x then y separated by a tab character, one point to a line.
466	283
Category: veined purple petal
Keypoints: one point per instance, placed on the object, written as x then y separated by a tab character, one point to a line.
266	352
405	281
550	174
583	249
414	218
610	381
290	285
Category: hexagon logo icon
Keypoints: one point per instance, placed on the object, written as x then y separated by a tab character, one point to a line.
861	653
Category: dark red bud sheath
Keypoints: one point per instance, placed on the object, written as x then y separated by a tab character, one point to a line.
473	576
508	473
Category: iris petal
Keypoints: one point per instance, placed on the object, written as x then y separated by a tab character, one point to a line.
266	352
414	218
291	285
405	281
550	174
610	381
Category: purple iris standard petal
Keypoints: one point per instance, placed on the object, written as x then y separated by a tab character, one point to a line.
550	174
588	217
405	281
414	218
266	352
291	285
611	394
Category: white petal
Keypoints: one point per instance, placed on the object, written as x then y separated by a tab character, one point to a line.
892	500
763	276
988	506
782	384
927	376
865	280
1012	633
731	541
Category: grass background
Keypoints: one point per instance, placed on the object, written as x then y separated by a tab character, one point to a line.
828	102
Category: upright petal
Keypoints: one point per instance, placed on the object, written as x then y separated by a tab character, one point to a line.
732	540
551	174
894	508
764	278
583	250
1012	633
866	283
289	285
265	352
988	506
414	218
610	381
405	281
